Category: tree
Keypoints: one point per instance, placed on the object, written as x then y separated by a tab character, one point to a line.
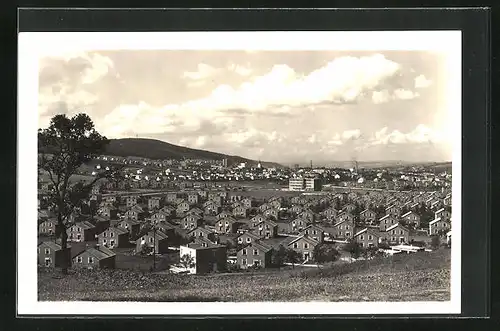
292	257
435	242
66	145
354	249
325	253
278	256
187	261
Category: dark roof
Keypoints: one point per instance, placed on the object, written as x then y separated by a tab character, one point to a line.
51	245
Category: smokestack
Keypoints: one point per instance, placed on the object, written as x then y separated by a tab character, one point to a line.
311	164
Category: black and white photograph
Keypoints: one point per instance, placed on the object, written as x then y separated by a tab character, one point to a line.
240	172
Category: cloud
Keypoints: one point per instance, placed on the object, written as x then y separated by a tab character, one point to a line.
204	71
385	96
421	134
422	82
240	70
351	134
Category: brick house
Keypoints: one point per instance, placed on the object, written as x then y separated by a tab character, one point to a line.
81	231
397	234
368	216
386	222
201	232
113	237
254	254
367	237
330	213
182	207
393	210
240	211
132	226
159	216
247	238
227	225
48	227
155	203
411	218
191	222
95	257
343	229
314	231
131	201
247	203
51	254
304	245
257	219
171	197
109	212
153	239
349	208
442	214
439	225
266	229
206	258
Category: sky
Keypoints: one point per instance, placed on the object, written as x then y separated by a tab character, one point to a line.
282	106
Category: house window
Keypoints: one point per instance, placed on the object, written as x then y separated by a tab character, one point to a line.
315	232
47	251
240	240
91	259
48	261
370	237
104	241
295	245
244	262
306	245
362	237
347	234
112	234
104	235
151	240
79	259
255	252
401	232
385	221
249	239
244	252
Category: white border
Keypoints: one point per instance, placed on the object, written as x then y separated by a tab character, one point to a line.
34	45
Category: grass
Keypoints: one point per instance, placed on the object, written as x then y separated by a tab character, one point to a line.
415	277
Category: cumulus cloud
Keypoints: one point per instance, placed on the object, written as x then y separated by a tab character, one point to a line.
384	96
422	82
421	134
203	71
240	70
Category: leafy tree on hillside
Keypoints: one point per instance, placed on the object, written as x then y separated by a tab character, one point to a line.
66	145
354	249
325	253
278	256
292	257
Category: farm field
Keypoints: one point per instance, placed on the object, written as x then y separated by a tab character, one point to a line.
423	276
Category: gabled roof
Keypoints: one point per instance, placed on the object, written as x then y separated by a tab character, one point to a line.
386	216
342	221
260	246
395	226
52	245
306	238
131	221
251	234
435	220
440	210
200	228
100	252
85	225
119	231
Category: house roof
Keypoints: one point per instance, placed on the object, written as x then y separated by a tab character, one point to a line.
306	238
408	213
260	246
131	221
384	217
99	252
435	220
250	234
200	228
395	226
85	225
439	210
119	231
52	245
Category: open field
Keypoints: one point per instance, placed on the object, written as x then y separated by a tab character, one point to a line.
421	276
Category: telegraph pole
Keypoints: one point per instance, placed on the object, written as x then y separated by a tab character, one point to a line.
154	246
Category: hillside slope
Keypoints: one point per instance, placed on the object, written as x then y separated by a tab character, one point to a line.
156	149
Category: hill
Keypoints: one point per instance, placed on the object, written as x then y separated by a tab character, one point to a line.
156	149
420	276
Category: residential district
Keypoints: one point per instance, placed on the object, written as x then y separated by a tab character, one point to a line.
199	217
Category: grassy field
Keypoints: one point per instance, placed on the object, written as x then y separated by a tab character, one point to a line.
415	277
